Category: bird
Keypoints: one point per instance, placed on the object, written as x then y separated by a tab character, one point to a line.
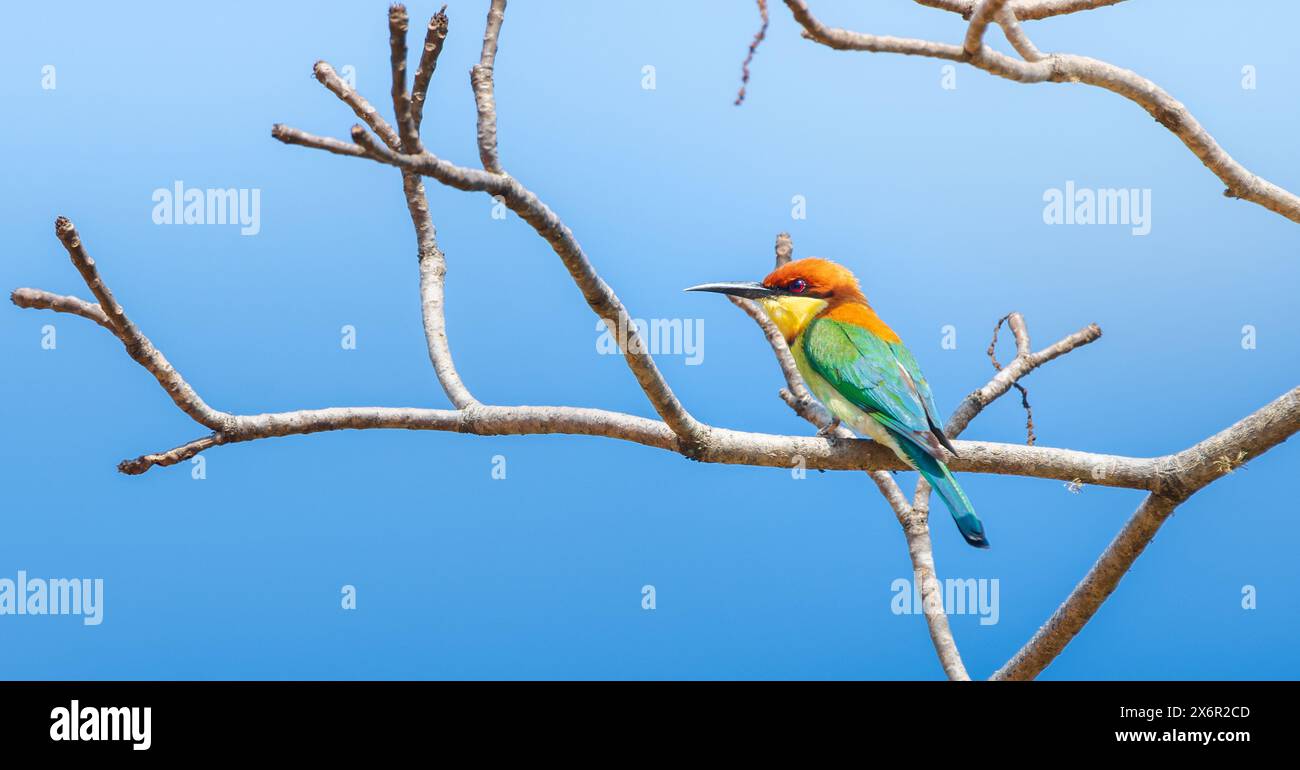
860	370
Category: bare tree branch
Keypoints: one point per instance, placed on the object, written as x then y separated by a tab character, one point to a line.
479	419
1182	475
329	144
919	513
433	272
916	529
43	300
137	344
1042	9
980	19
717	445
481	78
1016	35
784	249
1063	68
1023	9
349	96
918	516
398	24
1007	377
179	454
1022	349
599	296
433	41
433	264
753	49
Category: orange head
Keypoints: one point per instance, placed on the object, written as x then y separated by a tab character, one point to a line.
814	277
798	292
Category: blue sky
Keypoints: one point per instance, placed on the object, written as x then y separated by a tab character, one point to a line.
933	196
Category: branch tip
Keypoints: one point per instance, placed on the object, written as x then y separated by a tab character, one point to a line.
784	248
753	49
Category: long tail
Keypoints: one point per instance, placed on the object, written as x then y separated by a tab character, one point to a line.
945	485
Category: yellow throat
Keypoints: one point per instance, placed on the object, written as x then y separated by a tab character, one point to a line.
792	314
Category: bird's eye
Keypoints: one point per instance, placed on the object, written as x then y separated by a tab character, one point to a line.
798	286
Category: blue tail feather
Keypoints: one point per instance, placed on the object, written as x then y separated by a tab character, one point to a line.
945	486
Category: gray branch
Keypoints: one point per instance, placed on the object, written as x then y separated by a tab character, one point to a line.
433	42
1059	68
1023	9
480	78
1179	477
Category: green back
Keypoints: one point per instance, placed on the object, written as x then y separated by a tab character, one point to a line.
869	373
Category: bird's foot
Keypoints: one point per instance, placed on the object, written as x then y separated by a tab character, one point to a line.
829	430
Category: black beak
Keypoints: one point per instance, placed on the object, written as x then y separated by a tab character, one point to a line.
746	289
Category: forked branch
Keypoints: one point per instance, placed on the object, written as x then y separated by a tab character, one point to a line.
1037	67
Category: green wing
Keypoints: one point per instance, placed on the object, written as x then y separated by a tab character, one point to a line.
878	377
909	363
883	380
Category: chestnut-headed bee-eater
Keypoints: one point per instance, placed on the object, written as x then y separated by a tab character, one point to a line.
859	369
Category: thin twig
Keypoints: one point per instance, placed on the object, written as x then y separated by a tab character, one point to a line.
136	343
329	144
433	41
1022	341
753	48
43	300
481	79
1026	10
363	109
433	263
1016	35
784	249
398	24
